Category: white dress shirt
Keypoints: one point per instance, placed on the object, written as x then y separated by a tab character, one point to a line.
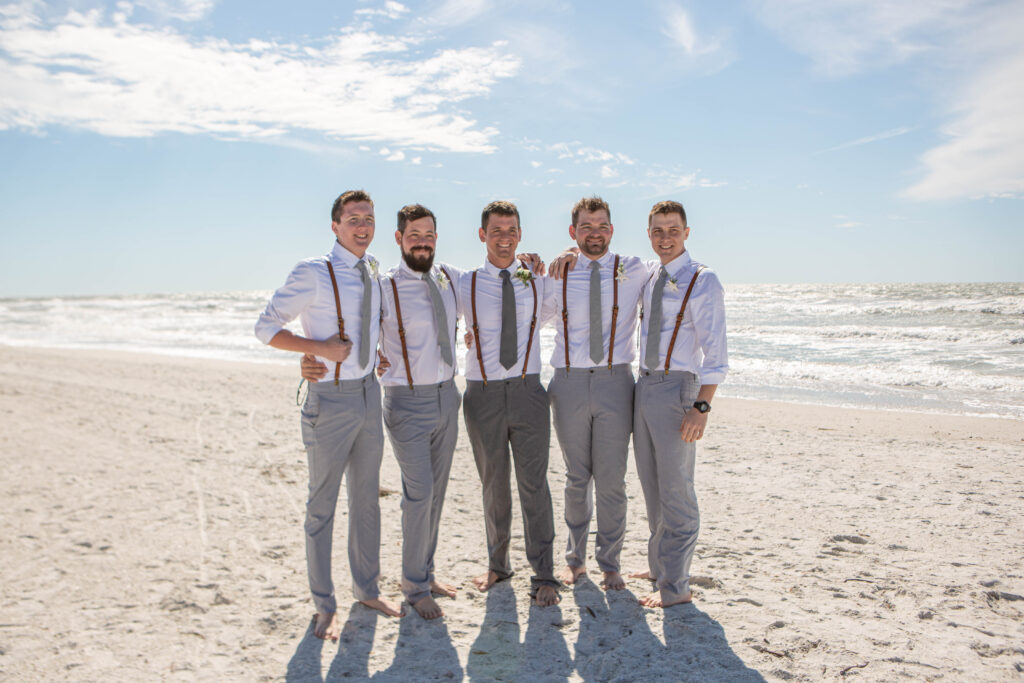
700	347
633	275
488	309
307	294
420	328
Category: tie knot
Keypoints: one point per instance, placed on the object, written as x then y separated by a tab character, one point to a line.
663	272
425	276
594	265
505	275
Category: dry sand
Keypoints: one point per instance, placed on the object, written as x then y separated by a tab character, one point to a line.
152	530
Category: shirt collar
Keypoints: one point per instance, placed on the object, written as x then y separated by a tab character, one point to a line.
584	261
404	269
494	270
678	264
340	254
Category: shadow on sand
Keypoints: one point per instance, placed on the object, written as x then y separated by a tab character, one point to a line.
497	653
352	660
615	642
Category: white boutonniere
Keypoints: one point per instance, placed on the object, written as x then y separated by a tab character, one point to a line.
620	273
442	281
523	275
374	267
672	285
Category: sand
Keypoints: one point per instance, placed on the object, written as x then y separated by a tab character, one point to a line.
151	527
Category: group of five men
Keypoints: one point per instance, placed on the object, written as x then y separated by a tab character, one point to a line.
594	297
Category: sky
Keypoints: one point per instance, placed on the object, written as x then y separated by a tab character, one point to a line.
156	146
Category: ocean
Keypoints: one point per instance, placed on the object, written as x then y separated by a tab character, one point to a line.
945	348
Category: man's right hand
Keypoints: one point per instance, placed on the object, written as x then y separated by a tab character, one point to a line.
334	348
312	369
565	262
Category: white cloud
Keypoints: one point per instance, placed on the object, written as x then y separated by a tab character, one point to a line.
705	49
132	80
536	164
982	154
895	132
843	37
457	12
849	224
186	10
607	172
391	10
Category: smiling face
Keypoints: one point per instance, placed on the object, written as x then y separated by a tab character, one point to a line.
668	233
418	242
354	227
592	232
501	235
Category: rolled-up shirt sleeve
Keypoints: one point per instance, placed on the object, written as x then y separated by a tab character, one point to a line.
290	300
709	324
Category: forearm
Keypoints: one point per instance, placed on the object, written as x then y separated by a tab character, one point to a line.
707	392
288	341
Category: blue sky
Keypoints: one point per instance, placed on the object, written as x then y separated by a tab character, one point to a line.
195	145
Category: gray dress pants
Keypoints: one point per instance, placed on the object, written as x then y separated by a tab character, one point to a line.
665	464
423	425
593	411
500	413
342	431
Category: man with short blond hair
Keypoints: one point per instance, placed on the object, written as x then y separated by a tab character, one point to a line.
683	359
337	299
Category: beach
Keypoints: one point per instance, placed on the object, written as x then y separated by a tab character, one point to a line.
151	513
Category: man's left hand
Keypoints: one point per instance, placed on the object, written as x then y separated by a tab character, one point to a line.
693	425
312	369
533	262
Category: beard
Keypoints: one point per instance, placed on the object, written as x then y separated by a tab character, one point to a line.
594	248
419	263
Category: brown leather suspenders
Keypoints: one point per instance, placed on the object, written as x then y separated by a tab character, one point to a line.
401	327
679	319
615	309
401	332
476	328
533	326
341	321
615	314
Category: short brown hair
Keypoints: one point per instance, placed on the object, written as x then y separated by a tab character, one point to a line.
667	206
592	205
413	212
346	197
500	208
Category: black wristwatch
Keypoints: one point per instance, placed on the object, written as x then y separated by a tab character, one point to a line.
702	406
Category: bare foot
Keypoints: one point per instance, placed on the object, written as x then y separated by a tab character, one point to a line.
642	575
546	596
326	626
445	589
486	580
427	608
654	600
612	581
384	606
569	574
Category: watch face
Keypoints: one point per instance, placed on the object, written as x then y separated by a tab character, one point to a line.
702	406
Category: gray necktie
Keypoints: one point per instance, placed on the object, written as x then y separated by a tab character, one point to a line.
440	319
364	315
509	350
652	356
596	336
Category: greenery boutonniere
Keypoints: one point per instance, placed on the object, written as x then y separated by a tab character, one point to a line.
620	273
523	275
